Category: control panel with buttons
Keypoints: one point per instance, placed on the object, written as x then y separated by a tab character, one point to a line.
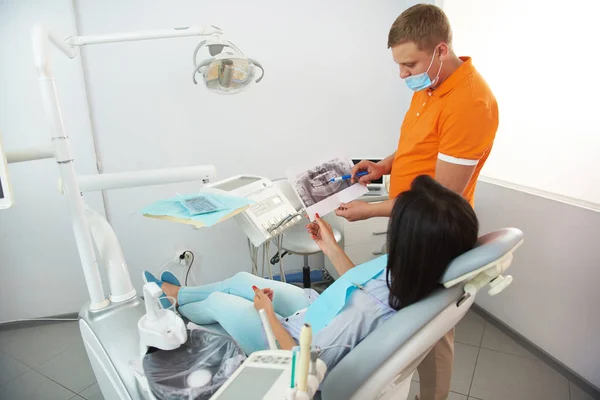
270	214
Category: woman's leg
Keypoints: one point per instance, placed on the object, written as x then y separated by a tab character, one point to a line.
235	314
287	299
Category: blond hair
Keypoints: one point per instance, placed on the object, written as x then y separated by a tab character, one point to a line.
424	24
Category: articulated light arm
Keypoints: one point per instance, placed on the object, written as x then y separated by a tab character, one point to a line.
146	35
62	152
61	149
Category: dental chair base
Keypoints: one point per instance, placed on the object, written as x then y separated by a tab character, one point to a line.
111	339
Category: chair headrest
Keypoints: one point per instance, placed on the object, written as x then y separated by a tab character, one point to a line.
489	249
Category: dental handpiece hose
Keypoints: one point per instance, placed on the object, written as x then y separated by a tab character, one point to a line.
305	344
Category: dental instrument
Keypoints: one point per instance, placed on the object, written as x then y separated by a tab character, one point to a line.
345	177
268	330
305	344
293	378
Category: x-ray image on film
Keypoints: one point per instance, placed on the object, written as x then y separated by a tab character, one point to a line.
317	192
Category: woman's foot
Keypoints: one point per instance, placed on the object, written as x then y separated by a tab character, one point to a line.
170	290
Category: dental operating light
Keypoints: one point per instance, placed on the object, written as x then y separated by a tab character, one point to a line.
228	70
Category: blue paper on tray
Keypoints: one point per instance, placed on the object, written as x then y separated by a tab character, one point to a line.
173	209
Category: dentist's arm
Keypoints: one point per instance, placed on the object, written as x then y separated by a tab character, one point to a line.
322	234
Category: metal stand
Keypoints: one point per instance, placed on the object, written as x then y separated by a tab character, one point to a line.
306	273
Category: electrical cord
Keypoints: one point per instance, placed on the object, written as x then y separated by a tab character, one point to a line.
182	257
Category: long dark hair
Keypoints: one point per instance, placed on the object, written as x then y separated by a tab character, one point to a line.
430	225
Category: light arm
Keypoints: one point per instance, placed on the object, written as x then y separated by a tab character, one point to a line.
186	31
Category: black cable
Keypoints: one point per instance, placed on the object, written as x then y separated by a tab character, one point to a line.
189	266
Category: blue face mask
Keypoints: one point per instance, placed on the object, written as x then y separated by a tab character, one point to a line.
422	81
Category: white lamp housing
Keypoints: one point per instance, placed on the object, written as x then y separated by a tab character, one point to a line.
228	70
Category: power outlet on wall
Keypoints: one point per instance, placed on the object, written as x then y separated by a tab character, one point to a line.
183	257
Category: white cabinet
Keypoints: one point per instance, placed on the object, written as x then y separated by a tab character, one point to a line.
362	240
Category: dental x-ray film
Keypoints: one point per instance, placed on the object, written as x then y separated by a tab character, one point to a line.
313	184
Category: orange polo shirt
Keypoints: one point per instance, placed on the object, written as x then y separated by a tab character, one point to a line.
456	122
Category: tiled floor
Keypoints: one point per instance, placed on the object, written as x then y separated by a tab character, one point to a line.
50	363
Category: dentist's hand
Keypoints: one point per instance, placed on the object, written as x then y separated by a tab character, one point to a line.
322	234
375	171
355	210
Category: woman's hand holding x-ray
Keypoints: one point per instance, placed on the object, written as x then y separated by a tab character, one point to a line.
322	234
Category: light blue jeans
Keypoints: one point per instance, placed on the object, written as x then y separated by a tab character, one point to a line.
230	303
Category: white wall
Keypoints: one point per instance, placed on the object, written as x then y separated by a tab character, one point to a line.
553	300
330	84
548	136
39	264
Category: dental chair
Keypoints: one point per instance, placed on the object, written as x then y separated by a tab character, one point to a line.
382	365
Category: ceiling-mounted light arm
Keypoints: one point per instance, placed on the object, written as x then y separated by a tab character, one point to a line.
186	31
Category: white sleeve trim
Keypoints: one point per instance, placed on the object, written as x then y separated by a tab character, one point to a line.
459	161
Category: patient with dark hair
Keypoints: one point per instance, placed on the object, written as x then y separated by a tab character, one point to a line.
429	227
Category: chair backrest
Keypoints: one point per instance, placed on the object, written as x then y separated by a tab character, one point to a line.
288	191
363	365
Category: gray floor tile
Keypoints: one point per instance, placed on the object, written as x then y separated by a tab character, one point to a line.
7	336
414	390
494	339
92	393
578	394
33	346
10	368
470	329
456	396
76	397
71	369
33	386
501	376
465	357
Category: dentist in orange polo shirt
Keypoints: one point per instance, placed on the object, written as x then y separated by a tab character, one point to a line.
447	133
